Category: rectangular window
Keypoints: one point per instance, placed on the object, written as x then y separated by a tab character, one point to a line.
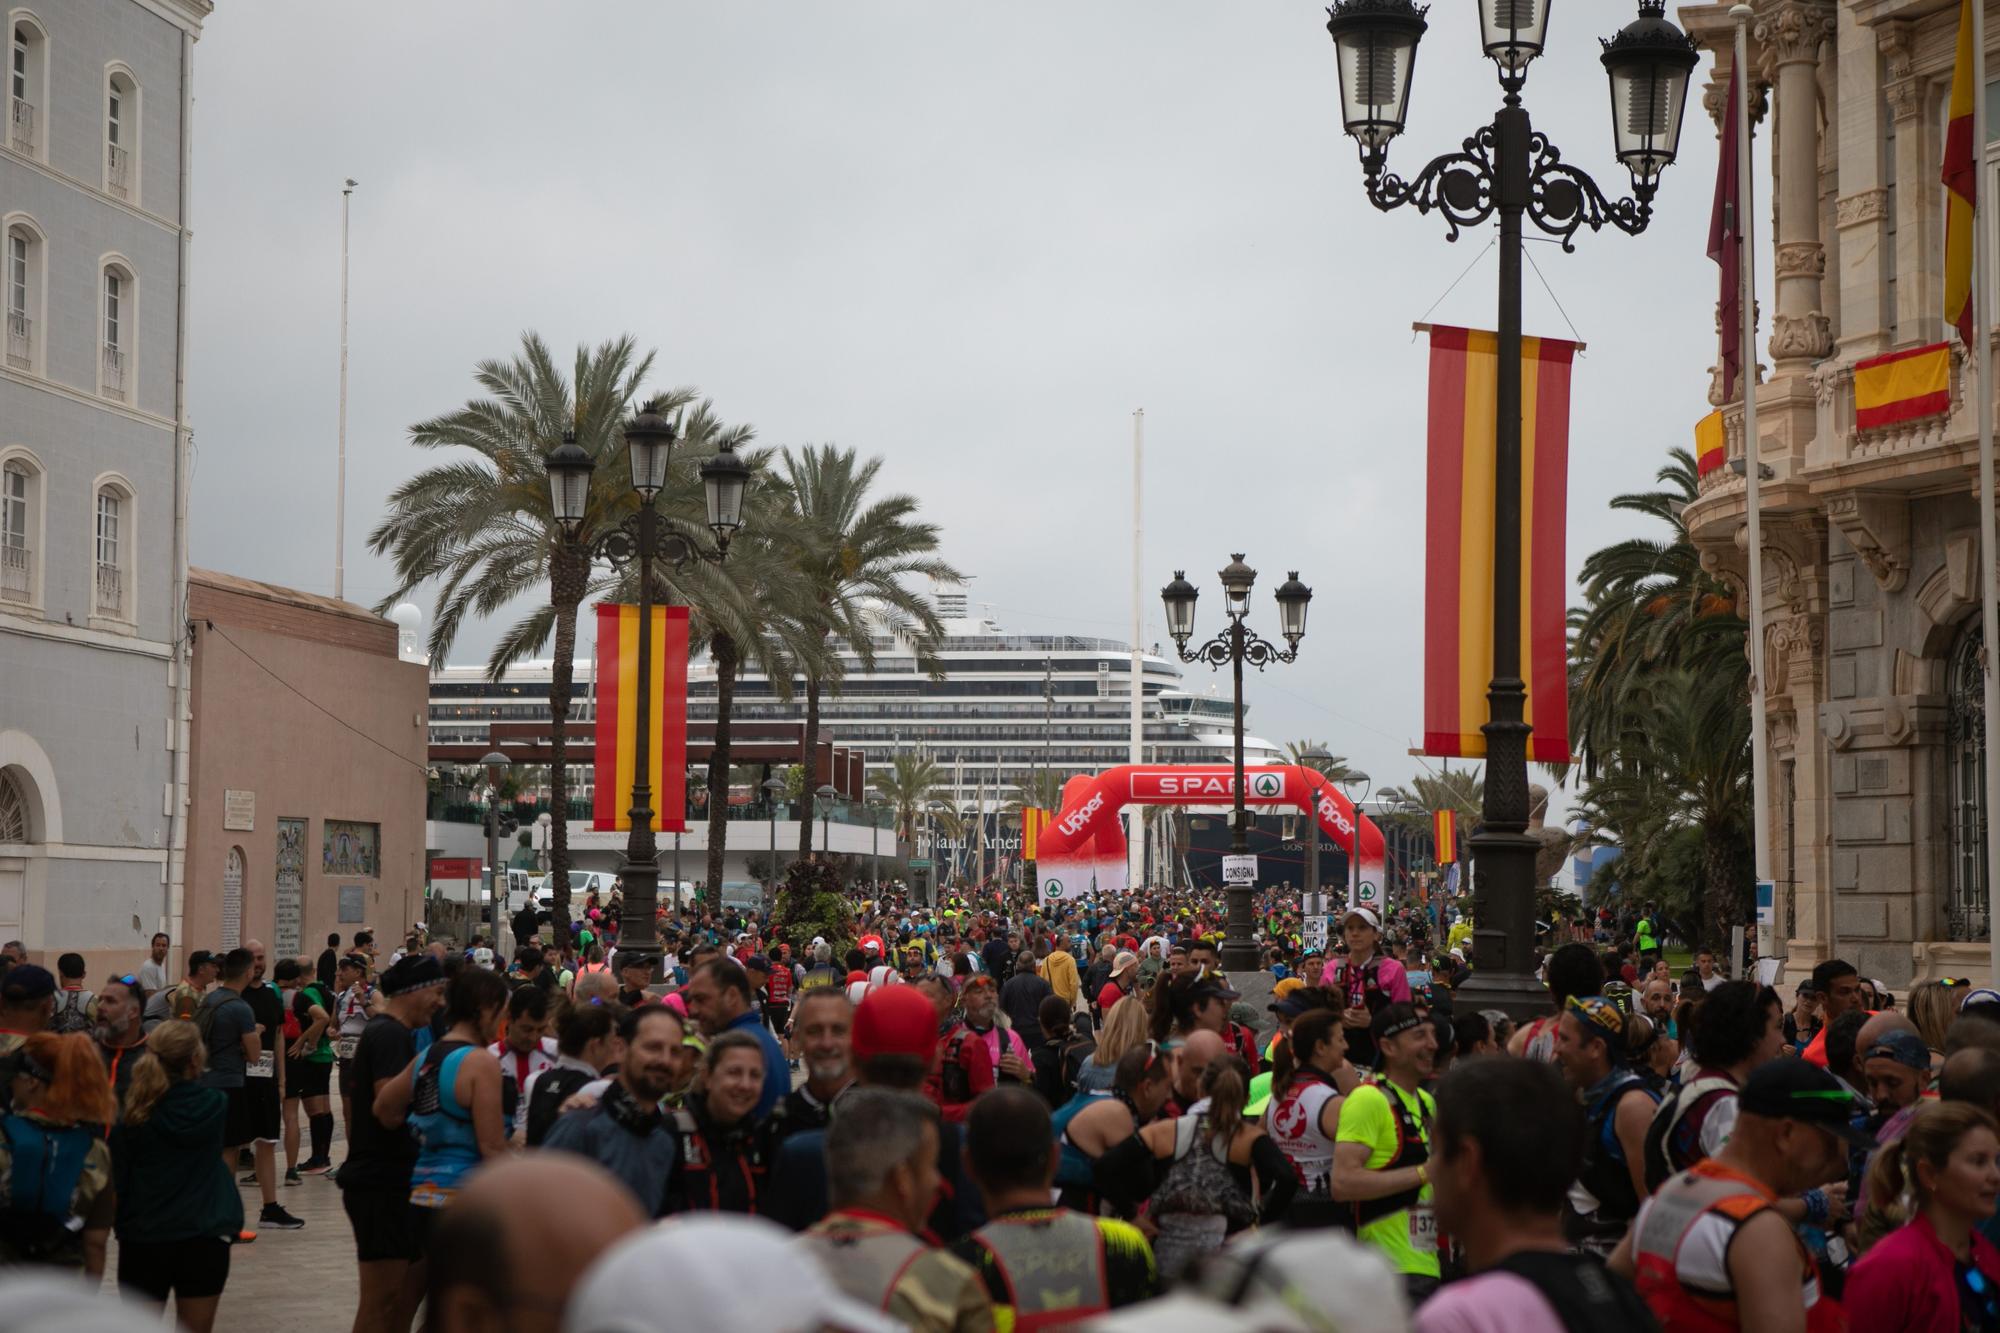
113	289
107	530
20	75
14	509
17	274
111	118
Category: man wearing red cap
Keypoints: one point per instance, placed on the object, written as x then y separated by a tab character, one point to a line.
895	1044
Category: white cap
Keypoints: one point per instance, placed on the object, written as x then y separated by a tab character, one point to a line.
1367	914
32	1301
1290	1281
690	1272
483	957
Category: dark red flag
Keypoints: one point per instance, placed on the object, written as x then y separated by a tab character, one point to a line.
1725	236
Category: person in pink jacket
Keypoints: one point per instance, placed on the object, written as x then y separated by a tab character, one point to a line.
1366	979
1934	1273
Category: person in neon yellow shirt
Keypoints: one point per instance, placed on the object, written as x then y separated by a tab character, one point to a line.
1382	1149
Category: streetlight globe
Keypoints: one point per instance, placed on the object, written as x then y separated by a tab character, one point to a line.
649	439
1237	579
1513	33
723	480
1649	62
1375	43
1293	599
1179	598
495	764
569	468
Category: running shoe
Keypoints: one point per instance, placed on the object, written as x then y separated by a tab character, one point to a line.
316	1166
292	1176
275	1217
247	1178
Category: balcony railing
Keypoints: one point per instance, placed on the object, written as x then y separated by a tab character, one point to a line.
17	571
21	125
20	341
114	373
110	591
117	170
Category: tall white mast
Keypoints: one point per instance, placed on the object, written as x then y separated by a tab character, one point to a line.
1135	846
340	483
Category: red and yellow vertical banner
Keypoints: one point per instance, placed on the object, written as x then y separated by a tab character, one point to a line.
1711	444
1033	821
1458	578
1961	181
1445	831
618	693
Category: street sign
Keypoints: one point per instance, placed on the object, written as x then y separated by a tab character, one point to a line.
1767	892
1313	937
1239	870
920	863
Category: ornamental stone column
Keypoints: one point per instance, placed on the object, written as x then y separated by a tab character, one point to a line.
1790	35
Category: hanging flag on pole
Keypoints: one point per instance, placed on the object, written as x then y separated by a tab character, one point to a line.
1710	444
618	687
1961	183
1725	248
1458	561
1446	836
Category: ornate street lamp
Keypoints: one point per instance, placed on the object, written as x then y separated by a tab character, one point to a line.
642	540
1233	647
1356	784
1315	757
773	789
495	765
826	795
1508	169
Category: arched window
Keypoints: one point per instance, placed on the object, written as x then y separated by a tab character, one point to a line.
20	528
27	85
121	299
112	598
1966	911
13	810
22	265
121	133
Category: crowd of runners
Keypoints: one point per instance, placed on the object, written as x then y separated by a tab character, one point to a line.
993	1116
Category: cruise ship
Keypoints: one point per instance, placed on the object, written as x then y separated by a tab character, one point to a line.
991	709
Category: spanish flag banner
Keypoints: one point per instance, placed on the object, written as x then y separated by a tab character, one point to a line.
1710	446
1446	836
618	687
1902	386
1961	183
1458	579
1033	821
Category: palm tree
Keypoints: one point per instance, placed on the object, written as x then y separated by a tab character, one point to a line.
484	525
1334	767
1461	791
909	786
1042	791
851	556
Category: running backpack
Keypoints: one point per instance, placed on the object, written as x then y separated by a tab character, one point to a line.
1199	1182
1667	1119
552	1088
45	1166
1586	1296
73	1014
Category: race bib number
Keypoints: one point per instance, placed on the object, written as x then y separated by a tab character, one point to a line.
264	1066
1423	1229
345	1047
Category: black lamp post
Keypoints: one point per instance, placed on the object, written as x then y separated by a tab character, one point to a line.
642	539
495	764
826	795
1509	169
773	789
1233	647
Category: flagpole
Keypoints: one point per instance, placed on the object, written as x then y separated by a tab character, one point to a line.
1135	846
1981	353
1753	469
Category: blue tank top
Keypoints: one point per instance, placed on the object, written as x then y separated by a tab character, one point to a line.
447	1147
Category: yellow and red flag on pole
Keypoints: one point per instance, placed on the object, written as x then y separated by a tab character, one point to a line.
1961	183
1033	821
618	690
1445	837
1710	444
1458	578
1902	386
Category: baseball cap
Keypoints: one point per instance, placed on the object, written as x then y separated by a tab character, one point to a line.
1798	1090
27	983
1367	914
1905	1048
1393	1020
1284	989
895	1020
1125	961
694	1265
483	957
1212	988
756	962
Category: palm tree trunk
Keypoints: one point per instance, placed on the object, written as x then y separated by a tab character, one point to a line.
722	649
568	575
1721	906
811	765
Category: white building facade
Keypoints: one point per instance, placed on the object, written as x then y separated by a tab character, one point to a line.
94	153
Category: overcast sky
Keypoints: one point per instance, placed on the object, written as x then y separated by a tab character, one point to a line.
969	238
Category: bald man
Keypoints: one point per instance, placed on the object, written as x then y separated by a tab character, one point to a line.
548	1217
1190	1062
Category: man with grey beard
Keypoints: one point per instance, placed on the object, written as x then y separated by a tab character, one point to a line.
822	1029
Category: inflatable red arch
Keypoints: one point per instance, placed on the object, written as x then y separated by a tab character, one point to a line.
1085	840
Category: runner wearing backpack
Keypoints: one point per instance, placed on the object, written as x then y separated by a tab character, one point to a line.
1618	1109
73	1003
1735	1028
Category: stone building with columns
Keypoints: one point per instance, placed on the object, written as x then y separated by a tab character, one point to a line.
1871	654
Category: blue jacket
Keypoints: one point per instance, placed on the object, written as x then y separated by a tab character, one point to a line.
646	1164
777	1069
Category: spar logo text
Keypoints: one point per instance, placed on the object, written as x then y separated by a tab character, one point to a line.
1072	824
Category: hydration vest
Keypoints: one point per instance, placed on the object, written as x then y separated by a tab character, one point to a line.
713	1164
554	1087
1661	1153
1674	1211
1053	1264
46	1165
1412	1149
866	1256
1606	1176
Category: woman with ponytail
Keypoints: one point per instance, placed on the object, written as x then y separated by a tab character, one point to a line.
178	1210
1311	1081
56	1199
1215	1172
1929	1191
